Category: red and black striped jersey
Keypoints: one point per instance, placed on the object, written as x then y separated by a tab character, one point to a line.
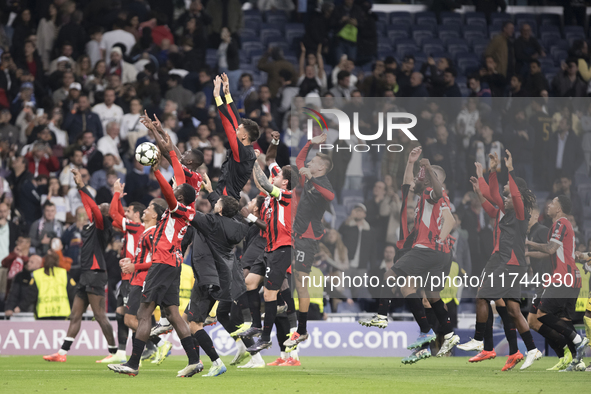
564	269
132	231
170	230
406	238
277	211
193	178
428	220
143	256
492	196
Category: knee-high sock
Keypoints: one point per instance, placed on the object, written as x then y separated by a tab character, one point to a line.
242	303
509	327
223	315
190	349
415	305
556	341
488	331
254	303
270	315
122	331
562	328
442	317
282	324
205	342
431	318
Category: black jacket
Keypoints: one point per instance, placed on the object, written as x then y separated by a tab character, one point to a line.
571	160
350	236
19	292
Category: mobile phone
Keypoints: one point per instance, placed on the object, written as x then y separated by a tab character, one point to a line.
40	111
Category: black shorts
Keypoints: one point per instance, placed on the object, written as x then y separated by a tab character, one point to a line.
258	267
123	293
446	268
305	249
421	262
277	262
92	282
559	301
492	264
253	253
200	304
162	285
503	282
133	301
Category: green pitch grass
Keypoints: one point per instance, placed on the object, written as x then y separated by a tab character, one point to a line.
28	374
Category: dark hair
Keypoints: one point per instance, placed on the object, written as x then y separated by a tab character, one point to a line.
452	71
137	207
111	172
528	197
252	128
158	208
327	161
407	58
286	74
246	75
519	78
565	204
536	61
49	263
343	74
48	203
290	174
476	77
390	59
188	193
230	206
506	23
389	72
260	202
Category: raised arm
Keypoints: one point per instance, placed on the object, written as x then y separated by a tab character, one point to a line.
271	154
92	210
229	119
264	182
515	194
435	182
448	223
302	59
490	210
116	209
410	164
320	61
167	191
494	193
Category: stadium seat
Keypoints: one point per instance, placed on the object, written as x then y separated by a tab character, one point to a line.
294	33
464	89
559	55
405	47
381	28
252	48
451	18
572	36
546	63
269	34
551	73
549	19
433	45
501	17
247	33
453	27
493	31
384	47
419	34
278	42
420	58
257	20
574	29
447	34
425	18
549	38
275	15
278	26
396	33
456	46
468	65
383	17
253	24
472	33
401	18
479	49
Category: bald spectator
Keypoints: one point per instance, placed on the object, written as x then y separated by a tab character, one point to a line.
416	87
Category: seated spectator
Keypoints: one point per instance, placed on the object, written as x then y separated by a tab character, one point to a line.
527	48
17	300
82	119
389	85
536	81
466	121
108	111
247	95
565	153
136	184
516	87
60	95
111	144
479	89
416	88
41	159
342	90
97	80
115	36
435	78
55	195
44	229
93	49
99	178
219	151
371	86
568	82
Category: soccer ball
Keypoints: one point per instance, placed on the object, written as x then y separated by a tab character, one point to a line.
146	153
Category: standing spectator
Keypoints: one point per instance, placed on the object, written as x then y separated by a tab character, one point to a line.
99	178
110	144
19	174
72	240
44	229
177	93
82	119
580	50
9	232
116	36
564	185
272	68
23	28
8	132
568	82
219	151
28	201
345	25
117	65
9	85
516	87
527	48
46	34
93	47
565	152
416	88
536	81
404	72
501	49
519	137
41	159
443	153
66	176
318	27
435	78
229	59
17	299
372	85
108	111
490	75
376	218
31	62
225	13
55	195
247	96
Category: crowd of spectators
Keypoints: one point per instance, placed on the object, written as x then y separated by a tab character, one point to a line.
76	77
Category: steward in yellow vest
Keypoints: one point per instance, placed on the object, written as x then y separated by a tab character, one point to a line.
50	290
